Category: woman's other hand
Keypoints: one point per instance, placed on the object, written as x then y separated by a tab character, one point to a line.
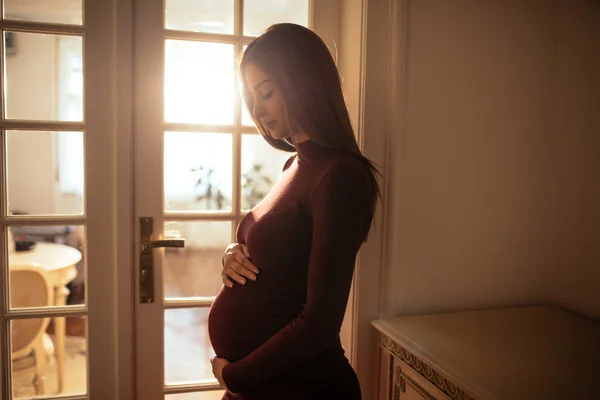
217	367
237	266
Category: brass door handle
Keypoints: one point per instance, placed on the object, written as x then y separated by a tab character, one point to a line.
146	275
153	244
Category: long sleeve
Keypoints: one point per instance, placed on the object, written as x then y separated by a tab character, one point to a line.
340	206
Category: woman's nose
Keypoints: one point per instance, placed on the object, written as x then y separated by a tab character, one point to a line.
258	110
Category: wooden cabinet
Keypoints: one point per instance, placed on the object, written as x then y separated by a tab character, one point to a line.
539	352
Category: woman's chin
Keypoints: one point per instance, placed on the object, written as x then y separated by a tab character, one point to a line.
278	135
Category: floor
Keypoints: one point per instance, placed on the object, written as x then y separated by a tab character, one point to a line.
75	371
188	272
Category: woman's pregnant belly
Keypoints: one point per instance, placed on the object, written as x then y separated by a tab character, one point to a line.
244	317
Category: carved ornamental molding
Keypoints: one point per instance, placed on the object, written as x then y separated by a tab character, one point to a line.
423	369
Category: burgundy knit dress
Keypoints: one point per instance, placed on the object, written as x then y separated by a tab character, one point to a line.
281	332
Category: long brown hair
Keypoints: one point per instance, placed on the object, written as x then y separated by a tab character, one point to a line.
301	66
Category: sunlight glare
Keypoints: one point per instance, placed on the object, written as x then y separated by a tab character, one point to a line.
199	82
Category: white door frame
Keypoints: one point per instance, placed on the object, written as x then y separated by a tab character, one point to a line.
125	251
375	82
104	201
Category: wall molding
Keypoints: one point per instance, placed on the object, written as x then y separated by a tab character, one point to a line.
381	91
396	107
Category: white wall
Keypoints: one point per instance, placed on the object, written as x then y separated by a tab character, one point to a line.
350	51
477	217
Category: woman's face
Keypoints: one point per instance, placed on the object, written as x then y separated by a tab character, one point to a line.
268	106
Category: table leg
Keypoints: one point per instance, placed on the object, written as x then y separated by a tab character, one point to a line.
60	299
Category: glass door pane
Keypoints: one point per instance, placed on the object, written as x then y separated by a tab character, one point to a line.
49	11
198	171
187	346
45	173
199	82
200	15
43	77
260	14
195	271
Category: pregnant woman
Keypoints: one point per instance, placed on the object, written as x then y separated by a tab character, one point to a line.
275	323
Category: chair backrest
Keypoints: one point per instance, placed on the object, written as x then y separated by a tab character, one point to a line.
29	287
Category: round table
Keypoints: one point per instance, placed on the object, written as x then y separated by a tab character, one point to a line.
60	262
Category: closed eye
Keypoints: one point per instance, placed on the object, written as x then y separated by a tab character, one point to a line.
268	95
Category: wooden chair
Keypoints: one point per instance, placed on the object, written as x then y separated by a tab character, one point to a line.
32	348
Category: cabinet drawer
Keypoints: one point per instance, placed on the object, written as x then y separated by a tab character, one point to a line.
410	385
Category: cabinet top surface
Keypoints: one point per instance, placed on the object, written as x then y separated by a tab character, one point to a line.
539	352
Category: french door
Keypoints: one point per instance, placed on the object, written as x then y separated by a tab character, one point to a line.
57	247
199	166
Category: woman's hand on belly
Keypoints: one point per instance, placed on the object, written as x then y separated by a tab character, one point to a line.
237	265
217	368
